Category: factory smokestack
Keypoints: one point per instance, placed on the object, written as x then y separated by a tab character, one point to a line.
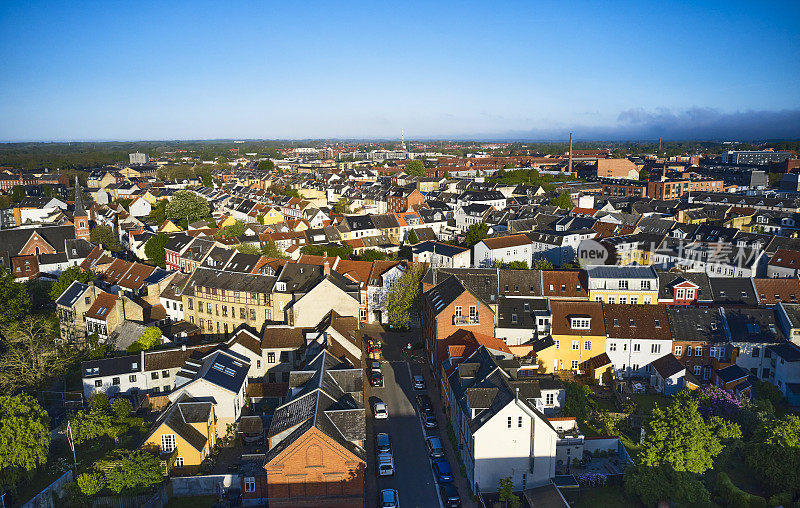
569	165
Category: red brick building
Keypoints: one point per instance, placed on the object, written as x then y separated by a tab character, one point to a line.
401	199
446	308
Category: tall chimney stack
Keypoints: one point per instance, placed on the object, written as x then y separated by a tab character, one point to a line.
569	166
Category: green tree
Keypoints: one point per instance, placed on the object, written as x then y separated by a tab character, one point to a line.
91	483
154	249
342	206
158	214
402	301
476	233
234	230
271	250
266	165
542	264
17	193
506	493
135	472
100	419
248	248
576	401
774	453
678	437
416	168
655	484
30	357
121	408
412	238
371	255
562	201
67	277
516	265
15	298
104	236
150	338
644	175
186	205
25	438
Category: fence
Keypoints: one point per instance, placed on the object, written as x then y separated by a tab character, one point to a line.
44	499
208	485
157	500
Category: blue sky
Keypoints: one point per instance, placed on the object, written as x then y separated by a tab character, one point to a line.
195	70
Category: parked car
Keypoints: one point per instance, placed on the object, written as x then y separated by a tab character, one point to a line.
442	471
374	366
384	443
429	420
419	382
424	403
380	411
385	464
376	379
450	496
434	446
389	499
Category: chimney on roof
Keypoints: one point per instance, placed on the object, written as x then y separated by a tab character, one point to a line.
516	393
326	267
569	165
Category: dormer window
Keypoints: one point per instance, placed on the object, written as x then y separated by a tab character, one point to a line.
580	323
280	286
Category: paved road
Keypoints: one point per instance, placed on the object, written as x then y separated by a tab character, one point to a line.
413	477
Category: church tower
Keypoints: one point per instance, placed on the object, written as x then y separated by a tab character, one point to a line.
80	218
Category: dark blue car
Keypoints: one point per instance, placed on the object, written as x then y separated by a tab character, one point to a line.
441	468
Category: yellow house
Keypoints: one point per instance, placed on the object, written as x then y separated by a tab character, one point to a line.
623	284
226	220
186	431
579	335
169	227
272	216
148	196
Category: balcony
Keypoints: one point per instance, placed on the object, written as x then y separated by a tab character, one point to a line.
466	320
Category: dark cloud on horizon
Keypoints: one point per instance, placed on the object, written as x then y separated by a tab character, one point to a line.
694	123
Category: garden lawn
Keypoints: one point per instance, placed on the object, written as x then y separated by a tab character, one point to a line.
610	496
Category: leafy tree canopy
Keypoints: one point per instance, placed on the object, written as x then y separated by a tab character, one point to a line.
149	339
266	165
542	264
774	453
416	168
234	230
186	205
562	201
412	238
104	236
678	437
371	255
154	249
15	298
403	299
271	250
30	357
25	437
69	276
135	472
476	233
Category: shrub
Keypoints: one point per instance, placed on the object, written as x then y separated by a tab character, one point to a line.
91	483
736	497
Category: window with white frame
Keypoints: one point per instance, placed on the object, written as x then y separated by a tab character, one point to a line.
574	364
587	345
179	461
680	293
655	348
697	370
580	323
549	399
698	351
623	284
637	347
457	311
678	350
612	346
645	285
249	484
167	443
576	345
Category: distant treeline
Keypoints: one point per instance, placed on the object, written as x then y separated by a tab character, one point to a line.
85	155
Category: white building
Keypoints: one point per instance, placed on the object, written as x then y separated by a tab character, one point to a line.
139	158
500	426
502	249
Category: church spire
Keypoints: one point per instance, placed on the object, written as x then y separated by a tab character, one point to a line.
79	210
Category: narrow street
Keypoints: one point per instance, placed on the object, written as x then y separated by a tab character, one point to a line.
413	478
